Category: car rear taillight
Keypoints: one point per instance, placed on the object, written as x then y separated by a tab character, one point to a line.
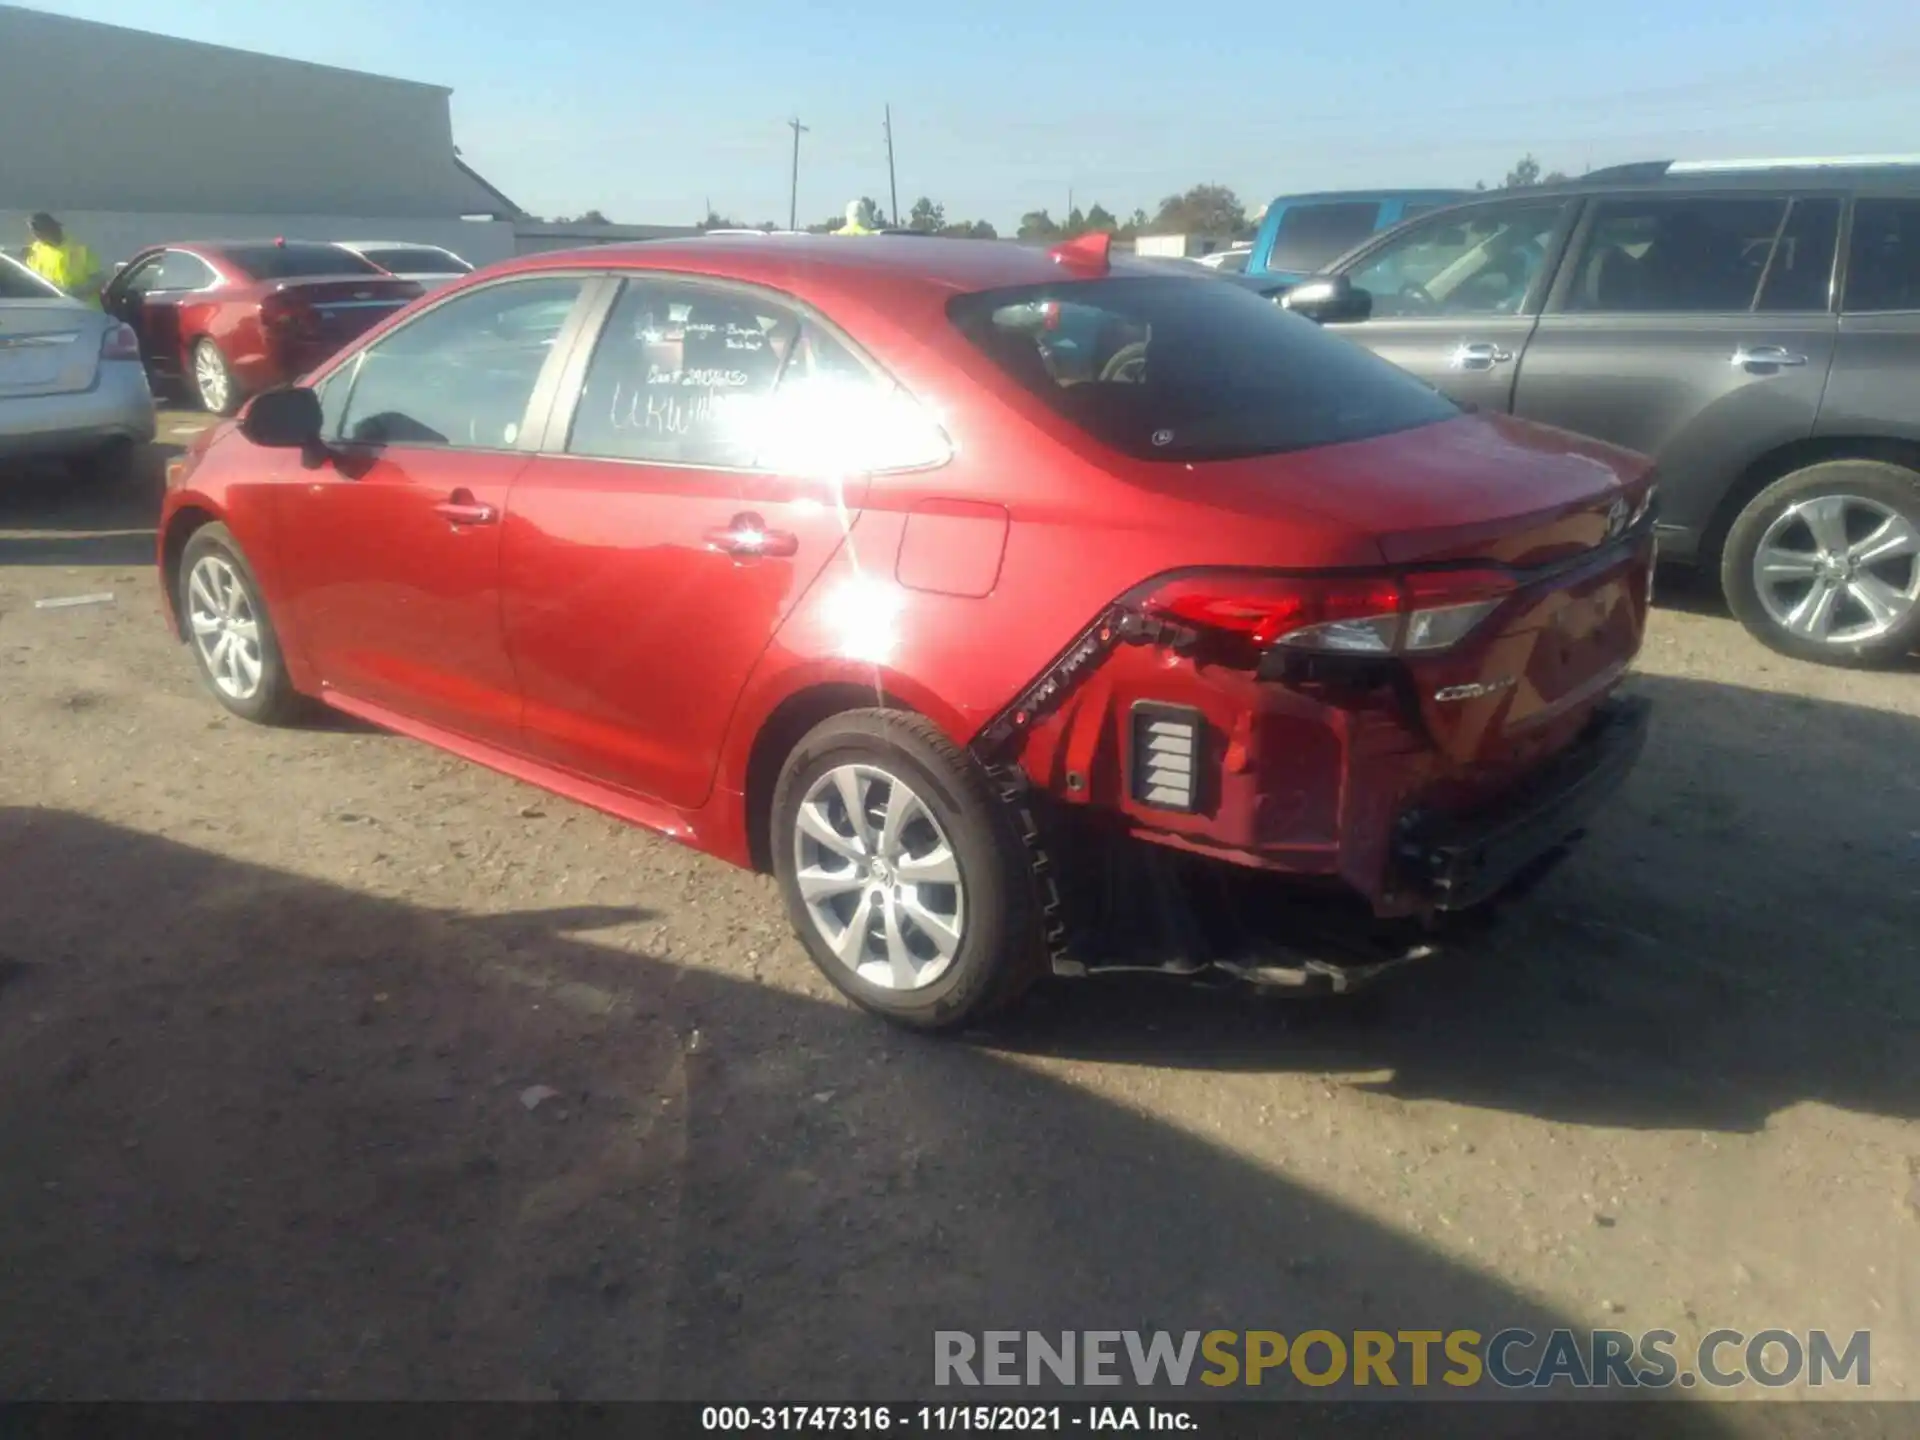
281	312
120	343
1418	613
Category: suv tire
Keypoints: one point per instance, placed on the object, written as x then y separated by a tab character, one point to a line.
926	915
1824	564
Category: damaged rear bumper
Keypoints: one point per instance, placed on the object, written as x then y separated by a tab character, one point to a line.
1458	861
1127	905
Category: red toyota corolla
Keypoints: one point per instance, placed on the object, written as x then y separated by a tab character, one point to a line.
1016	609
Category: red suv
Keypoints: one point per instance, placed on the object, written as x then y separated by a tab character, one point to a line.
823	557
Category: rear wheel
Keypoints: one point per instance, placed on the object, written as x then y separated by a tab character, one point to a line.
901	874
232	636
1824	564
213	381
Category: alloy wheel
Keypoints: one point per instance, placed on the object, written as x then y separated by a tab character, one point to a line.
879	878
1838	569
226	627
210	374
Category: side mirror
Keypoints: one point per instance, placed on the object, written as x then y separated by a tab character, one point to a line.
1329	299
283	419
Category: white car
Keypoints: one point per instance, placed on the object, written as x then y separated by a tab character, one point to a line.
1231	261
428	266
71	383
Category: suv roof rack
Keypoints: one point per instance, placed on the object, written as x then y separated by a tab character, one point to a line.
1657	169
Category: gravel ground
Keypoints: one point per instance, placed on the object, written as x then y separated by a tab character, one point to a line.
332	1066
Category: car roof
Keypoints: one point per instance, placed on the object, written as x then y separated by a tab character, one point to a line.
387	245
846	261
1653	176
1356	197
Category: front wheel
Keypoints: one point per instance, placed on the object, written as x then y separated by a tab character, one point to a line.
1824	564
901	873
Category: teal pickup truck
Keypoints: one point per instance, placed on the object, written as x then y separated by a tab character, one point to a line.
1300	234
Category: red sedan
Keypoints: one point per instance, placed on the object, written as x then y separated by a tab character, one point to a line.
229	319
1018	610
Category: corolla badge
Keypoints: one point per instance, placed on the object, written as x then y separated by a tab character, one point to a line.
1475	692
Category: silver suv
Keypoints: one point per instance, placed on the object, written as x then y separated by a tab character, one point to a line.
1754	326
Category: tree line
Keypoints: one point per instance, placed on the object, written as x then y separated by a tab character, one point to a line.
1209	209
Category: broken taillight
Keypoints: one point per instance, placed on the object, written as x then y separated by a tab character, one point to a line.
1418	613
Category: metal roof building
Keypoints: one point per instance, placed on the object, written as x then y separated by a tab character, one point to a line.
136	138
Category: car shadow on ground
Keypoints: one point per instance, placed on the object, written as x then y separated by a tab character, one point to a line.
264	1137
1734	937
54	516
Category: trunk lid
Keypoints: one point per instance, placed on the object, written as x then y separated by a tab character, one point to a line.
1487	488
1554	512
331	310
48	347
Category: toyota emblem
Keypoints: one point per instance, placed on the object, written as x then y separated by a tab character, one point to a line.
1616	518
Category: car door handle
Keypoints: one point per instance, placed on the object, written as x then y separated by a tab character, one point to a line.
1477	355
748	535
460	508
1770	356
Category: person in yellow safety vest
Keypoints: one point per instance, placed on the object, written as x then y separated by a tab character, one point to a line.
860	218
61	261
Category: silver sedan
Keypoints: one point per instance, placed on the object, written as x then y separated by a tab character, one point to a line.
71	383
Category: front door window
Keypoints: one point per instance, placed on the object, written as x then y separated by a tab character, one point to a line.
1485	261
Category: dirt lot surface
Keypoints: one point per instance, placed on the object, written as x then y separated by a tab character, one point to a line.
332	1066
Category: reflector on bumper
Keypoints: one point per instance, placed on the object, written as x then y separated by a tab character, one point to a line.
1164	756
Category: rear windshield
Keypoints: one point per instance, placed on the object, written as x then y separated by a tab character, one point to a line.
1188	369
17	282
295	260
1314	235
410	260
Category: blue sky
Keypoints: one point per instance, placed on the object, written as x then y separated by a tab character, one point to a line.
647	110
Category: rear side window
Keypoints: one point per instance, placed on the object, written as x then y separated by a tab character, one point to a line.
461	374
412	260
702	375
1883	262
1800	274
181	271
1191	369
1311	236
295	260
1698	255
680	375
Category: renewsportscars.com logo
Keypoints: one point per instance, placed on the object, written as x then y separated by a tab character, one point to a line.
1512	1359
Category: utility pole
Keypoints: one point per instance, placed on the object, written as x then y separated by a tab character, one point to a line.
793	195
893	186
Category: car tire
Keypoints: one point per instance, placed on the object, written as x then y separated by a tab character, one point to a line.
1799	568
219	599
949	929
212	380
